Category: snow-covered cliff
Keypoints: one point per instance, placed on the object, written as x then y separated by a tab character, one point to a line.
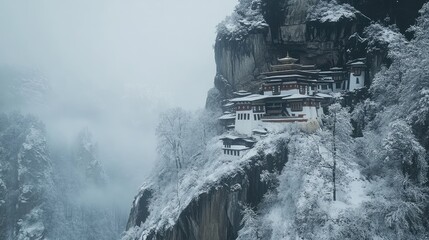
284	187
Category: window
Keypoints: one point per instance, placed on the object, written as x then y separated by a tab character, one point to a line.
312	87
324	87
276	90
338	85
357	71
254	117
357	80
296	106
301	89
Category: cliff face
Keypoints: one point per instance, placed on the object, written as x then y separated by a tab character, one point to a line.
25	178
327	34
214	214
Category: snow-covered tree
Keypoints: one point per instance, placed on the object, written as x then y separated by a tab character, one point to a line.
26	186
85	157
171	131
246	18
338	123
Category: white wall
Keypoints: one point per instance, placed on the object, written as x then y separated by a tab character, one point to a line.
353	85
310	112
246	126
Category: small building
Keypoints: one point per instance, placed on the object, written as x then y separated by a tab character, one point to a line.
227	120
248	112
357	75
235	146
337	77
295	108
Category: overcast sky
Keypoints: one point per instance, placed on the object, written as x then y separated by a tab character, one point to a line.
112	65
163	47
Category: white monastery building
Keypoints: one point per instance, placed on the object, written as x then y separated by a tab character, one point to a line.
290	92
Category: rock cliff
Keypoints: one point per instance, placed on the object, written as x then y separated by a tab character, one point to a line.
215	210
325	33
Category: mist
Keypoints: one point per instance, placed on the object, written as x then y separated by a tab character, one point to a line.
109	66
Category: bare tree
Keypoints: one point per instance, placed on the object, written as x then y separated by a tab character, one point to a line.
338	122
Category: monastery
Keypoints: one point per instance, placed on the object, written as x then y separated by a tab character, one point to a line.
289	93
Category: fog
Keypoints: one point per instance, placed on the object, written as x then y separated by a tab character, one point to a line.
111	66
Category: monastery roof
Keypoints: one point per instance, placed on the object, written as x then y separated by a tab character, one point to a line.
227	116
242	93
300	96
293	65
228	104
259	131
287	59
359	63
250	98
286	72
323	95
230	137
287	77
237	147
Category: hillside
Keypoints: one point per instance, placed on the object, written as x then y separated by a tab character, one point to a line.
361	175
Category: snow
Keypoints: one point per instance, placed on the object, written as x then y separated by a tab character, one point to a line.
227	116
237	147
250	98
285	76
206	171
331	12
323	95
300	96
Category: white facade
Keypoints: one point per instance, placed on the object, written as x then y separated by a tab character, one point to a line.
246	121
282	92
357	75
309	112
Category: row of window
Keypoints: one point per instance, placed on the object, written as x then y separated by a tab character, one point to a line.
258	108
257	117
296	106
243	116
243	107
246	116
231	152
283	87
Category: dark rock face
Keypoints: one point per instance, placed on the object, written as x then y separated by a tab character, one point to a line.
216	214
240	63
326	44
25	178
400	12
140	211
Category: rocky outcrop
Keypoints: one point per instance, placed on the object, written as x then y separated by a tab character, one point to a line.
324	42
217	213
240	63
25	178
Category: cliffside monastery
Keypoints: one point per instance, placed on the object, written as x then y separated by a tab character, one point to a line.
290	92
